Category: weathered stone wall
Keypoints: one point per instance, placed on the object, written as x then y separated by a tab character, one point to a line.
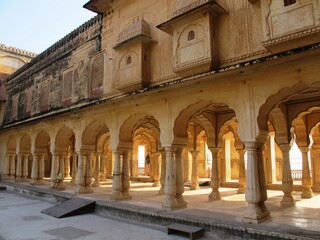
43	76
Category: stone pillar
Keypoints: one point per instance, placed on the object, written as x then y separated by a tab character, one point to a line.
96	182
54	169
92	164
242	171
88	173
170	202
83	174
287	182
61	172
255	195
74	168
67	166
179	177
19	168
35	169
163	172
156	168
306	177
25	167
315	168
80	173
12	168
215	176
6	170
194	175
125	175
41	169
103	173
116	181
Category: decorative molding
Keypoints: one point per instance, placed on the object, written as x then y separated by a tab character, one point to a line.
189	7
243	57
193	64
291	36
17	51
166	78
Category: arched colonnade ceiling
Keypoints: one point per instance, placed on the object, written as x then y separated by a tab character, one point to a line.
216	119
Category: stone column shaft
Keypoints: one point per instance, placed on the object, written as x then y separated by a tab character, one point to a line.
80	173
156	169
194	174
125	175
242	172
170	202
179	177
163	172
97	170
19	168
41	169
116	181
256	210
103	168
6	170
287	182
35	169
25	167
74	168
67	166
215	176
306	177
12	169
88	173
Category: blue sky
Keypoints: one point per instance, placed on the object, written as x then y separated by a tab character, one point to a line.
35	25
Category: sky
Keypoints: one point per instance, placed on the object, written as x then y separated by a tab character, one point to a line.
35	25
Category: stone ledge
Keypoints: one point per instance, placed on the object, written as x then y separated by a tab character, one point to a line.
217	228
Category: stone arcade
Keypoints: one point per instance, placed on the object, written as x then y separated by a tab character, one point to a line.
208	89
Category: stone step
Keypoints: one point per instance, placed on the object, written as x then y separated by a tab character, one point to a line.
192	231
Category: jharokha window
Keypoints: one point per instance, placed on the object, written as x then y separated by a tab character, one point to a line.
289	2
191	35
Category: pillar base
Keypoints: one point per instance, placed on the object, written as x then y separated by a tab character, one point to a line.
214	195
242	189
19	179
116	196
80	189
60	186
126	195
194	186
161	191
96	184
73	181
287	201
155	184
37	182
171	203
256	213
103	178
307	193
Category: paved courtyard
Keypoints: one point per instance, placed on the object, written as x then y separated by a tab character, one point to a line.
21	219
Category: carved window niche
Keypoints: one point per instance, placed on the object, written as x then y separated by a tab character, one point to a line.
14	109
132	54
27	101
97	76
45	90
67	87
192	26
290	24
